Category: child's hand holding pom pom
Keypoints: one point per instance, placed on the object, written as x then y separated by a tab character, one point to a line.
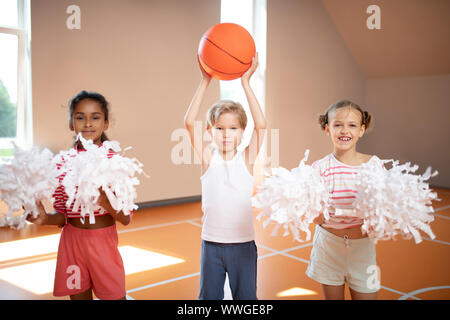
395	201
293	199
96	181
41	218
29	177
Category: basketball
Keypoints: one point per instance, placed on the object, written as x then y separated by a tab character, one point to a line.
226	51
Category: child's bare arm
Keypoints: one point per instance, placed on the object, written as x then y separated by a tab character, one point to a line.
192	113
44	218
257	114
119	216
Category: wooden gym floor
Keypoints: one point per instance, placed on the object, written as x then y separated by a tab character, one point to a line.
161	253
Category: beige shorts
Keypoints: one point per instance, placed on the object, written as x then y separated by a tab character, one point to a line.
335	260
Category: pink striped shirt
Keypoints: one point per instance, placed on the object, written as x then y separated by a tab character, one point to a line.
340	180
61	196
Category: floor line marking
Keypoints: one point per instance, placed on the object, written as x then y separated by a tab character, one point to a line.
441	208
398	292
267	255
163	282
436	240
195	223
410	294
153	226
298	247
283	252
294	257
441	216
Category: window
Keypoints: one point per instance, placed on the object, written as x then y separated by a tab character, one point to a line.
252	15
15	79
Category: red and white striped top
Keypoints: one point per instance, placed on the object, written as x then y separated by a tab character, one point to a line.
61	196
340	180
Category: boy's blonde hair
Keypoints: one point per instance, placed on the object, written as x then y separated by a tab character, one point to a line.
224	106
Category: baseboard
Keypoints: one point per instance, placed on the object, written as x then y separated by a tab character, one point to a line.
166	202
438	187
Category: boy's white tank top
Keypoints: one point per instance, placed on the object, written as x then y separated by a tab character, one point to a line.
227	188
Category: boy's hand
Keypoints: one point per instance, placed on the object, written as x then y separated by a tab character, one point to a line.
247	75
205	75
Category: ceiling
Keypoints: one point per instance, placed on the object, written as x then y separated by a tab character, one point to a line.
414	39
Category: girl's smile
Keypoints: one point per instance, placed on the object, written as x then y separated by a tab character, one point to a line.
345	139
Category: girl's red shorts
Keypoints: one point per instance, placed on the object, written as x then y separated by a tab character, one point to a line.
89	258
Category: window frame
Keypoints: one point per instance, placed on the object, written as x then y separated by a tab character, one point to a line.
24	128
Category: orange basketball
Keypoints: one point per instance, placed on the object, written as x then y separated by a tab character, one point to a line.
226	51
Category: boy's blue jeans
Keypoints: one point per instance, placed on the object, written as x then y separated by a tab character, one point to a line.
239	260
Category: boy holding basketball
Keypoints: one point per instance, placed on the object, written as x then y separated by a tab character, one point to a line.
228	244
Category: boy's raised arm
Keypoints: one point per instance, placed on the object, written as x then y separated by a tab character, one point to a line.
257	114
192	113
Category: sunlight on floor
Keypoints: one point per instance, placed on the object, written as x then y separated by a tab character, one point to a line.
20	249
137	260
295	292
38	277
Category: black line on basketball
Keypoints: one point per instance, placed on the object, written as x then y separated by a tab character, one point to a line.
219	70
225	51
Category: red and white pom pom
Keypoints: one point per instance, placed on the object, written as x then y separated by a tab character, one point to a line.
90	170
292	199
28	177
395	201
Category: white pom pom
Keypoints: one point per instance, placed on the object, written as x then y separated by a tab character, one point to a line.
90	170
394	202
28	177
292	199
